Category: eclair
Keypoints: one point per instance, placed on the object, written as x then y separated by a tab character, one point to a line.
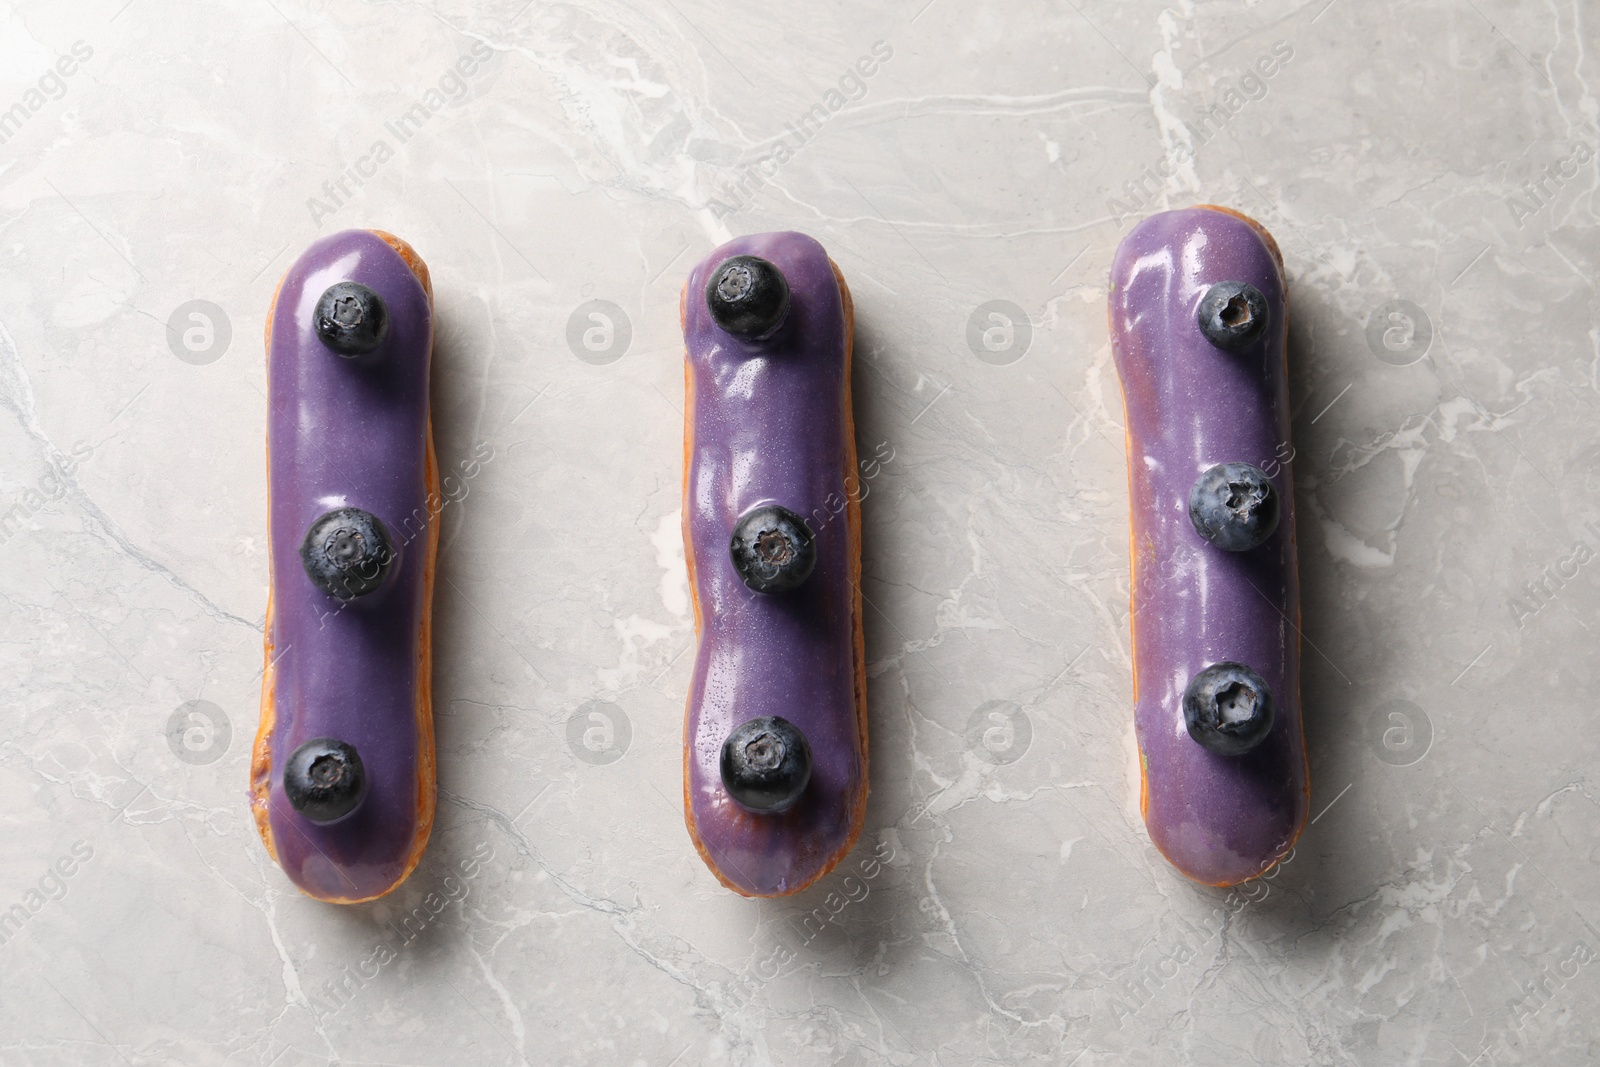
775	733
1199	336
342	772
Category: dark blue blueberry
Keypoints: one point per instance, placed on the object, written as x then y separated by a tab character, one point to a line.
1234	506
748	297
347	553
324	779
766	764
1233	315
351	319
1228	708
772	549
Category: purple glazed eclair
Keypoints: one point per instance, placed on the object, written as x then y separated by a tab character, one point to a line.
775	731
342	773
1199	334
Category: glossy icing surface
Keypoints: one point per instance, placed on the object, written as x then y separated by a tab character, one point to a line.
1189	405
769	422
349	433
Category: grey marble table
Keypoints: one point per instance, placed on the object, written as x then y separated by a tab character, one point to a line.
1430	172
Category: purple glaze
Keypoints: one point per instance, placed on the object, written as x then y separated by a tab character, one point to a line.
1189	405
349	433
769	424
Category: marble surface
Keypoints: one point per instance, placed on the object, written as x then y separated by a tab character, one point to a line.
1430	172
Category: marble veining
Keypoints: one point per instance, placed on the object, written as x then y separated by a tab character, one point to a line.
1430	172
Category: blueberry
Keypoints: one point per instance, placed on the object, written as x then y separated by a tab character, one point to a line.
772	549
347	553
351	319
324	779
766	764
748	297
1233	315
1228	708
1234	506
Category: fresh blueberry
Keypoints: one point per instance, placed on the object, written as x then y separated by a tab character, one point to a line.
351	319
324	779
1228	708
766	764
1233	315
347	553
772	549
1234	506
748	297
